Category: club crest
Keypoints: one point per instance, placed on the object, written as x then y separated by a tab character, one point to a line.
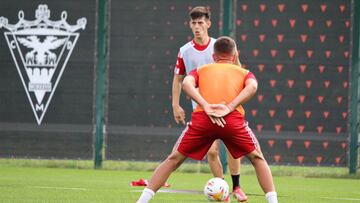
41	49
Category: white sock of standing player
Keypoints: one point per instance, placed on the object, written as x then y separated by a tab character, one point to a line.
146	195
271	197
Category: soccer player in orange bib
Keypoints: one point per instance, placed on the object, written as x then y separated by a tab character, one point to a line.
223	88
192	55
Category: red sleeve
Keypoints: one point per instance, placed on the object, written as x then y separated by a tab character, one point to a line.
250	75
180	66
194	73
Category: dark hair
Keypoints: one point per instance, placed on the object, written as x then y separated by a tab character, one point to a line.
224	46
199	12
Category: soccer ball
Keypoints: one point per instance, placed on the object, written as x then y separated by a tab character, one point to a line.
216	189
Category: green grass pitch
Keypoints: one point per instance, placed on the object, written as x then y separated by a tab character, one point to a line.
59	185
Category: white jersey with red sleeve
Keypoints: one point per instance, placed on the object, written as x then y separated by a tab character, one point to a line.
193	55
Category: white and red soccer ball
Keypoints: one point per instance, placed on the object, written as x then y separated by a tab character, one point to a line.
216	189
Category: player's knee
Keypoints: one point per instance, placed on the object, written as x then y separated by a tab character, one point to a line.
172	158
254	156
213	154
175	159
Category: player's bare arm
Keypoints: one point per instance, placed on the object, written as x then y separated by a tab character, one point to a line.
245	95
221	110
178	111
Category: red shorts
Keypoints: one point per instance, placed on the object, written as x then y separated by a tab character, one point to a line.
200	133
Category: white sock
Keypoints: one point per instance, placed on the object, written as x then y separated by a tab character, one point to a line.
146	195
271	197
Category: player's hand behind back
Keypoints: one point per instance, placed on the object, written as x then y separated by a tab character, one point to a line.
215	113
220	110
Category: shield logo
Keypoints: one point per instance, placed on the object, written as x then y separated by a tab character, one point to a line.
41	50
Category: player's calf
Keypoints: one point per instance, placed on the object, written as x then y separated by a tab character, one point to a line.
264	175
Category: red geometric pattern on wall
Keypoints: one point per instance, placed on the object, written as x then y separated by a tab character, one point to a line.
299	52
304	151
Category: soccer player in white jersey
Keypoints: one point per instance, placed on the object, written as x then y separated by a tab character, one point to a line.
192	55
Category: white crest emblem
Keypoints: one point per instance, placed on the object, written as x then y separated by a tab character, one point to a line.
41	49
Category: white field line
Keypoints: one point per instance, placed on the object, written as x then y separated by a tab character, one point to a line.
136	190
174	191
59	188
345	199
